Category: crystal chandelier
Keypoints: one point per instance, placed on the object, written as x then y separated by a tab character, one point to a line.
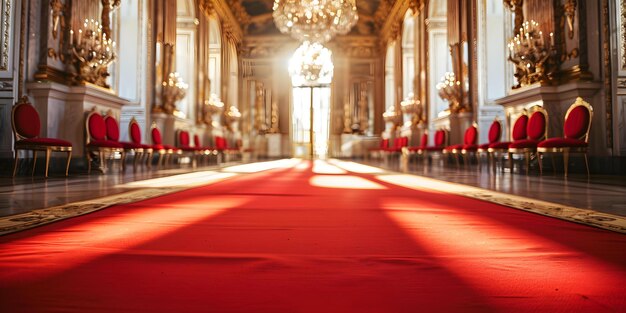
311	65
315	20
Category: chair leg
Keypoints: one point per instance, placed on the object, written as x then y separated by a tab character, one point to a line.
527	157
47	162
540	161
17	154
565	161
123	160
102	162
511	162
67	166
34	161
586	164
137	157
88	154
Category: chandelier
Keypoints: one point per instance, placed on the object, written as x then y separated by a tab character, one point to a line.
315	20
311	65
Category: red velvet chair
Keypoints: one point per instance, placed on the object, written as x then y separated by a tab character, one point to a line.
221	145
204	150
440	142
398	144
517	133
26	127
537	131
470	138
113	134
418	150
495	133
162	149
96	141
576	135
384	144
183	143
134	132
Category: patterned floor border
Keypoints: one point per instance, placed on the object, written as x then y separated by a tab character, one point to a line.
607	221
35	218
39	217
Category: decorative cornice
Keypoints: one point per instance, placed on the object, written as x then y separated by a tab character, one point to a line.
390	15
230	17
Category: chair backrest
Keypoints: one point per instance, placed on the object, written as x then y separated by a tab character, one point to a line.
134	131
519	127
578	120
183	138
156	135
384	143
196	140
537	128
495	131
25	120
113	130
424	140
440	137
220	142
95	126
471	135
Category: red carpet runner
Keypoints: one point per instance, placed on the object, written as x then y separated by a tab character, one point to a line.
290	240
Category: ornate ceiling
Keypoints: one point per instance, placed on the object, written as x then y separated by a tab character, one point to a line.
260	21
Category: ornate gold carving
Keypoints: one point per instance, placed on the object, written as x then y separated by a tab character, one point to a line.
6	25
107	7
56	8
622	28
240	13
20	73
517	8
570	15
608	87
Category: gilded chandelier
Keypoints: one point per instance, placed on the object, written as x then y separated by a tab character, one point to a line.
315	20
412	106
450	90
531	53
92	53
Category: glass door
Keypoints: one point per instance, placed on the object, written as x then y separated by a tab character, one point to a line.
310	121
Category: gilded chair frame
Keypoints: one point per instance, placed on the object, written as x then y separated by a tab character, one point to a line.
465	153
142	152
480	151
446	141
34	148
566	151
494	151
102	151
528	152
406	152
165	152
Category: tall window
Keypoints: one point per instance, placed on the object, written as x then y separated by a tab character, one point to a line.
128	72
390	93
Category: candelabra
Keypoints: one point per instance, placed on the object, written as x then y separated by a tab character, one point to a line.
212	106
92	53
532	54
450	90
413	107
232	117
392	116
172	91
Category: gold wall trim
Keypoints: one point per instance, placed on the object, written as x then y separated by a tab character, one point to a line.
622	32
6	26
608	84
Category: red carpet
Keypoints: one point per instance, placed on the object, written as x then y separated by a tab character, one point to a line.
290	240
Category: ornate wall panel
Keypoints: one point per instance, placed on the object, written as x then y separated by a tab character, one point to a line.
6	37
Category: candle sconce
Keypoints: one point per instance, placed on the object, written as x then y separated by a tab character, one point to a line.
212	106
533	55
450	90
91	53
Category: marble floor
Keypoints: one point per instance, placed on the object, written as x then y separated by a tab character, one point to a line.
604	194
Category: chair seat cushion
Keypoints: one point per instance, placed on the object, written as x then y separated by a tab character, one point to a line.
500	145
415	148
132	145
454	147
162	147
433	148
523	144
105	144
42	142
562	143
189	148
470	147
484	146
